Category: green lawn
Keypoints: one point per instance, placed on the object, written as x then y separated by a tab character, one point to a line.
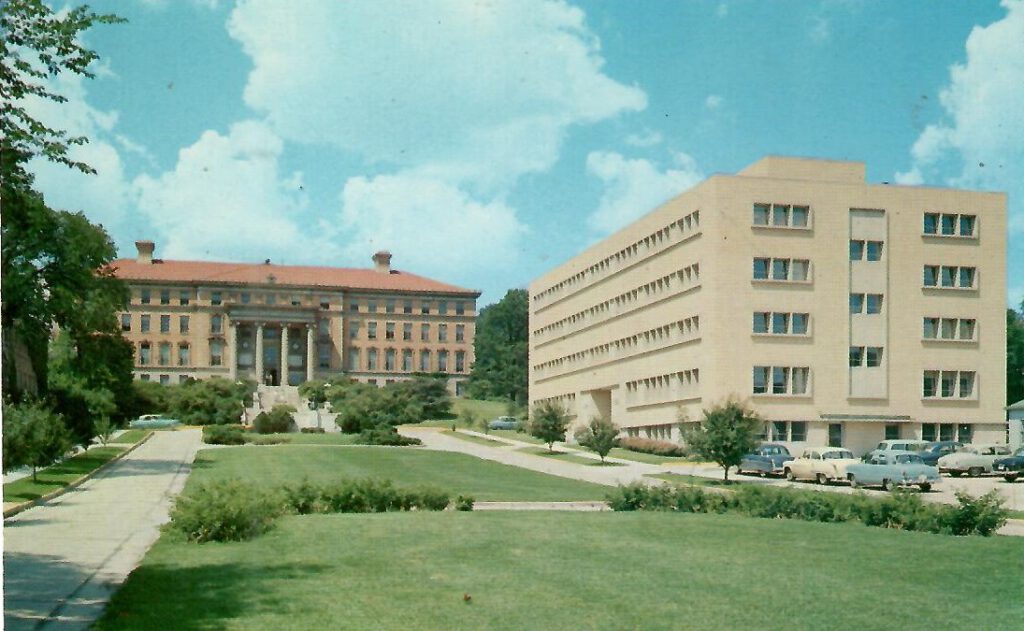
59	475
483	409
130	437
693	480
567	457
298	438
639	456
522	437
408	466
573	571
480	440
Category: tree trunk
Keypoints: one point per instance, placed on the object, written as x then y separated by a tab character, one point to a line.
726	473
34	473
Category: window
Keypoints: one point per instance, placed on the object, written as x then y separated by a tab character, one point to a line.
892	431
407	306
460	307
761	212
442	361
183	324
948	225
296	300
760	379
164	358
389	331
183	355
424	361
856	303
353	329
144	323
874	303
407	331
965	432
216	324
425	307
966	277
183	378
780	380
966	384
371	306
184	297
371	330
948	276
760	322
245	297
353	359
780	430
780	215
424	332
856	355
948	328
216	352
967	225
835	435
873	356
801	214
442	307
799	324
126	322
798	431
780	269
460	332
389	305
165	380
948	383
780	323
165	324
389	360
874	250
931	275
144	355
165	296
460	361
928	432
967	329
930	383
856	250
442	333
930	328
353	306
144	377
323	353
371	359
931	223
801	267
407	360
215	298
144	296
800	375
761	268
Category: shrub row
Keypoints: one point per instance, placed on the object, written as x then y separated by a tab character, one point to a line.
235	435
232	510
901	510
385	435
649	446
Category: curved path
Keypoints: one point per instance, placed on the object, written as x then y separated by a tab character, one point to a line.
63	559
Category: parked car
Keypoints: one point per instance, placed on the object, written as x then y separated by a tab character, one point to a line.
153	421
823	464
892	469
935	450
897	444
973	460
1010	468
504	422
766	459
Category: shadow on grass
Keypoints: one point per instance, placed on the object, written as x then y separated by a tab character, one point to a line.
201	596
57	476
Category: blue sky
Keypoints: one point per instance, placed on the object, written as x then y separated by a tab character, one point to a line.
484	142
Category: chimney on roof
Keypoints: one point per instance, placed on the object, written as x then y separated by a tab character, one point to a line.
382	262
145	249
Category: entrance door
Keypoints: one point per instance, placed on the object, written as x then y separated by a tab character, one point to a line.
835	434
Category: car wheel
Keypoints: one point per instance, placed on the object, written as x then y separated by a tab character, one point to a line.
853	481
974	471
888	485
1010	477
790	476
822	479
924	487
955	474
739	471
763	474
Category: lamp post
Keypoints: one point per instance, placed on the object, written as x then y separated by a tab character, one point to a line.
316	400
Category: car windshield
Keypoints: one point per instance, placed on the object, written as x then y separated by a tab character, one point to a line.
774	450
837	455
909	459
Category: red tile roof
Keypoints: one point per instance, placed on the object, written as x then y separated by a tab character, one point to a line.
283	275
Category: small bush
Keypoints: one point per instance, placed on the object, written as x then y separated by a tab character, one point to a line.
432	499
387	436
312	430
227	510
649	446
224	435
361	496
464	503
277	421
976	515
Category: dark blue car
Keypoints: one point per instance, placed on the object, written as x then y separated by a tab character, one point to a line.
766	459
933	451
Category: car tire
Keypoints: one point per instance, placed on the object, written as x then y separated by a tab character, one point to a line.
1010	477
789	475
975	472
822	479
955	474
763	474
853	481
888	485
925	487
739	471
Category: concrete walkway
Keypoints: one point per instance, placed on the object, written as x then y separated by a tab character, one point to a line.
63	559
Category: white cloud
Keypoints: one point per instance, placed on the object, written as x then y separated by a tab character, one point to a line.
482	92
227	200
821	30
979	145
722	10
647	138
713	101
431	227
635	187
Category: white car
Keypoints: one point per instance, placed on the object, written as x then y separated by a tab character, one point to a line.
823	464
973	460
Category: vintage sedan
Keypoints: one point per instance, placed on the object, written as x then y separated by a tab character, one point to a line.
767	459
893	469
937	449
823	464
896	444
1010	468
973	460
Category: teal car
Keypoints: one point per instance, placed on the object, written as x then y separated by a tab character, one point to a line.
153	421
893	469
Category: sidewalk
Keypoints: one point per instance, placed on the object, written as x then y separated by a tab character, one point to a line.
63	559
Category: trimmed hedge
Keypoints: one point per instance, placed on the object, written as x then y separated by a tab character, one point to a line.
385	435
235	435
360	496
650	446
901	510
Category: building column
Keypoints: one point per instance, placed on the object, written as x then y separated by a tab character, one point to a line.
310	352
259	352
284	355
233	350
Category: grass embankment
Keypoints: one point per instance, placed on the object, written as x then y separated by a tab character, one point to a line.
639	456
571	571
480	440
129	437
59	475
452	472
298	438
693	480
488	410
565	456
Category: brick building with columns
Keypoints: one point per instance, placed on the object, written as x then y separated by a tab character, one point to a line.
196	319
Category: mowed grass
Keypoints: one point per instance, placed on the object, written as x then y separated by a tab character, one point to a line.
405	466
488	410
694	480
639	456
298	438
529	570
480	440
59	475
566	456
129	437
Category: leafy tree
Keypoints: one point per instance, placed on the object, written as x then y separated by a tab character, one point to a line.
469	418
365	406
599	436
214	401
727	433
550	421
278	420
501	348
428	391
1014	355
33	435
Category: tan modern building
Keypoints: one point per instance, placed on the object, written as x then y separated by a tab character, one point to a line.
284	324
844	312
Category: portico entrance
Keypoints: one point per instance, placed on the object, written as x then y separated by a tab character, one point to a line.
272	353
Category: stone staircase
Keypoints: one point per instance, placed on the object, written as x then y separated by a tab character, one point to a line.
266	397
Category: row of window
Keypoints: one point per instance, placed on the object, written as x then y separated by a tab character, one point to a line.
682	226
870	356
945	432
164	351
948	384
388	360
784	431
165	380
781	380
950	276
961	329
372	331
145	323
683	379
390	305
866	303
184	297
950	225
869	250
687	276
782	269
781	215
780	323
